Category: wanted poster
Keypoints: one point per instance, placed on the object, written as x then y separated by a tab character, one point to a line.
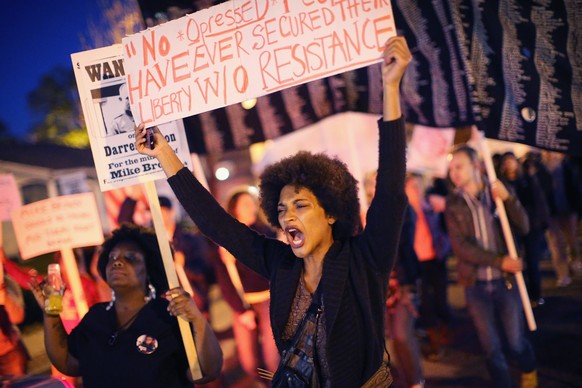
100	76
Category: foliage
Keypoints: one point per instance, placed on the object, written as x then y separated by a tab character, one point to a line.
5	135
55	102
120	18
55	105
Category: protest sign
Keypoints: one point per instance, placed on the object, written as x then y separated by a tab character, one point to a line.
243	49
52	224
100	79
9	197
60	224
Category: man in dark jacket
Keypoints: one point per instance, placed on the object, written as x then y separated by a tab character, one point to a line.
524	182
563	203
485	269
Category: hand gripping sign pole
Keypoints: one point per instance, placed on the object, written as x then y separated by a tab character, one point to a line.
507	234
173	282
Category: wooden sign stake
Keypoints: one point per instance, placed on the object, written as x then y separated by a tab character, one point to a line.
507	234
74	281
173	282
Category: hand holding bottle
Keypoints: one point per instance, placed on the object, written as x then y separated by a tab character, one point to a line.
49	293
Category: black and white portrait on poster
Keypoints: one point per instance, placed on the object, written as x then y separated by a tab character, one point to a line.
115	109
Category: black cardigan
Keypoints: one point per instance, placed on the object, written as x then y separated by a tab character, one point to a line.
355	272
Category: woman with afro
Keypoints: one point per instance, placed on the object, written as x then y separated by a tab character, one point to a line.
133	341
313	200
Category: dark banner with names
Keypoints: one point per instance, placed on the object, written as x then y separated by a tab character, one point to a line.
513	68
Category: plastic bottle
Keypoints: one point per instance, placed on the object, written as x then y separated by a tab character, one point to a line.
54	289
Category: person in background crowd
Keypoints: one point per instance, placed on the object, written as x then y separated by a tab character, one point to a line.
104	347
192	253
13	353
576	163
563	230
402	302
484	268
135	207
432	247
531	196
247	293
19	273
313	198
70	316
103	289
496	159
402	308
191	250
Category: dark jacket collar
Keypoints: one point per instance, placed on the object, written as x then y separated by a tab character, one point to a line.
334	278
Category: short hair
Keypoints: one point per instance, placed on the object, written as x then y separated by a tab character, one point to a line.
146	239
233	200
508	154
327	178
439	187
467	150
413	175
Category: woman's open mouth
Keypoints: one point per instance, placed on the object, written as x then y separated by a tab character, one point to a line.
295	237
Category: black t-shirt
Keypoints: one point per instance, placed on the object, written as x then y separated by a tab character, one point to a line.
130	361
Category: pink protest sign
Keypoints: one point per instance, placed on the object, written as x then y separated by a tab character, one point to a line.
9	196
243	49
57	223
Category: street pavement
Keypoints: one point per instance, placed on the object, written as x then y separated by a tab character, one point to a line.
557	342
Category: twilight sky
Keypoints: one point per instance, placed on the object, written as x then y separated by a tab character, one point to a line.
36	36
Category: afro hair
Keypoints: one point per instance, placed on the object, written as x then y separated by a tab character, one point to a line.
327	178
146	239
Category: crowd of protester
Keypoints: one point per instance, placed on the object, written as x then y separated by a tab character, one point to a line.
546	185
444	218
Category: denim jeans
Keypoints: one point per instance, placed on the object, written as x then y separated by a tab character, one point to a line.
434	306
400	327
491	300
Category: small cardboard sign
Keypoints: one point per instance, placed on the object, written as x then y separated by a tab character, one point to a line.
57	223
9	196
